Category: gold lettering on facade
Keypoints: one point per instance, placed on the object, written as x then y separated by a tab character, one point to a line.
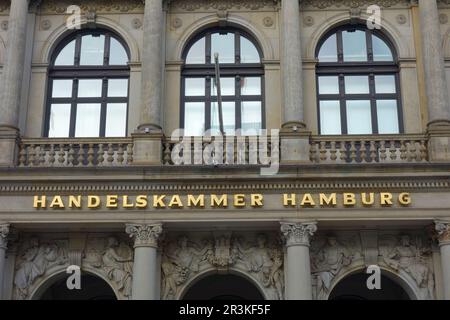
93	201
74	201
198	201
39	202
219	202
386	199
349	199
57	203
158	202
289	200
327	201
366	202
175	202
307	200
239	200
126	202
256	200
112	201
141	201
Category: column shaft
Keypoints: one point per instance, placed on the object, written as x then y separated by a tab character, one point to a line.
4	231
14	64
291	61
443	231
433	58
152	61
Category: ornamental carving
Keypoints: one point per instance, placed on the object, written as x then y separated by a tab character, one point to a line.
443	231
298	233
183	258
323	4
99	6
144	234
192	5
4	231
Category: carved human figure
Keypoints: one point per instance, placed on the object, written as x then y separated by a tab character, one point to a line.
118	266
36	259
412	259
328	262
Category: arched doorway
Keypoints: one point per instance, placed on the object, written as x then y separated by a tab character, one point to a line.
92	288
354	287
223	287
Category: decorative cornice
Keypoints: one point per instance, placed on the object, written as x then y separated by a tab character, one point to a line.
4	231
145	235
324	4
99	6
151	186
298	234
221	5
443	232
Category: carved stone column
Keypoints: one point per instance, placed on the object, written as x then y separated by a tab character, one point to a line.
4	231
435	81
443	232
11	87
298	268
145	266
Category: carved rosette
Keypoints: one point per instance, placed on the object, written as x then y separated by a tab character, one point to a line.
4	231
443	232
145	235
297	234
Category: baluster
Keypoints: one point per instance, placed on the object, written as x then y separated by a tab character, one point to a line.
392	150
167	153
333	151
41	161
403	155
51	155
120	153
423	150
323	151
363	151
383	155
71	155
313	152
110	154
412	151
90	155
373	152
130	153
61	154
32	156
81	155
352	151
343	151
100	154
22	155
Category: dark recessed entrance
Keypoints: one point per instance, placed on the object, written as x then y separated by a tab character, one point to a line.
354	287
223	287
92	288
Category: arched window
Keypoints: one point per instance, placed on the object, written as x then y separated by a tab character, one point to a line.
241	78
88	87
357	83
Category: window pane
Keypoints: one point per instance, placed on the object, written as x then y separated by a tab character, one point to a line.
195	87
356	84
223	44
90	88
355	48
251	86
226	86
385	84
381	51
330	117
359	120
329	85
387	116
116	120
59	121
249	53
117	53
228	112
92	49
67	55
194	118
196	53
88	120
251	115
117	87
328	51
62	88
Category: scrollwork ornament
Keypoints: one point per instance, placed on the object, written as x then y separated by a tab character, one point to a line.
443	232
298	233
145	235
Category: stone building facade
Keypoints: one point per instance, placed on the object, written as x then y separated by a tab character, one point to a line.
355	100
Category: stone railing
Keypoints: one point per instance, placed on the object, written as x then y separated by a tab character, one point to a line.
242	150
369	149
64	152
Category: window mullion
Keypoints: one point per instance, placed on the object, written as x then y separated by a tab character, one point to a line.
103	107
73	108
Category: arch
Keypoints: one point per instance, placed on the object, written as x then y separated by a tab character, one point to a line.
388	30
212	271
61	32
232	21
50	279
403	280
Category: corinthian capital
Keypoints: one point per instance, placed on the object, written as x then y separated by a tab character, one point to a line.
4	231
443	231
298	233
145	235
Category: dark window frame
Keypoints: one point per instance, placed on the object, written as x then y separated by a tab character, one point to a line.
77	72
368	68
227	70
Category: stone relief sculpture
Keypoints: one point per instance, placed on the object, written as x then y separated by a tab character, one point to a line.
115	259
35	259
183	258
401	253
